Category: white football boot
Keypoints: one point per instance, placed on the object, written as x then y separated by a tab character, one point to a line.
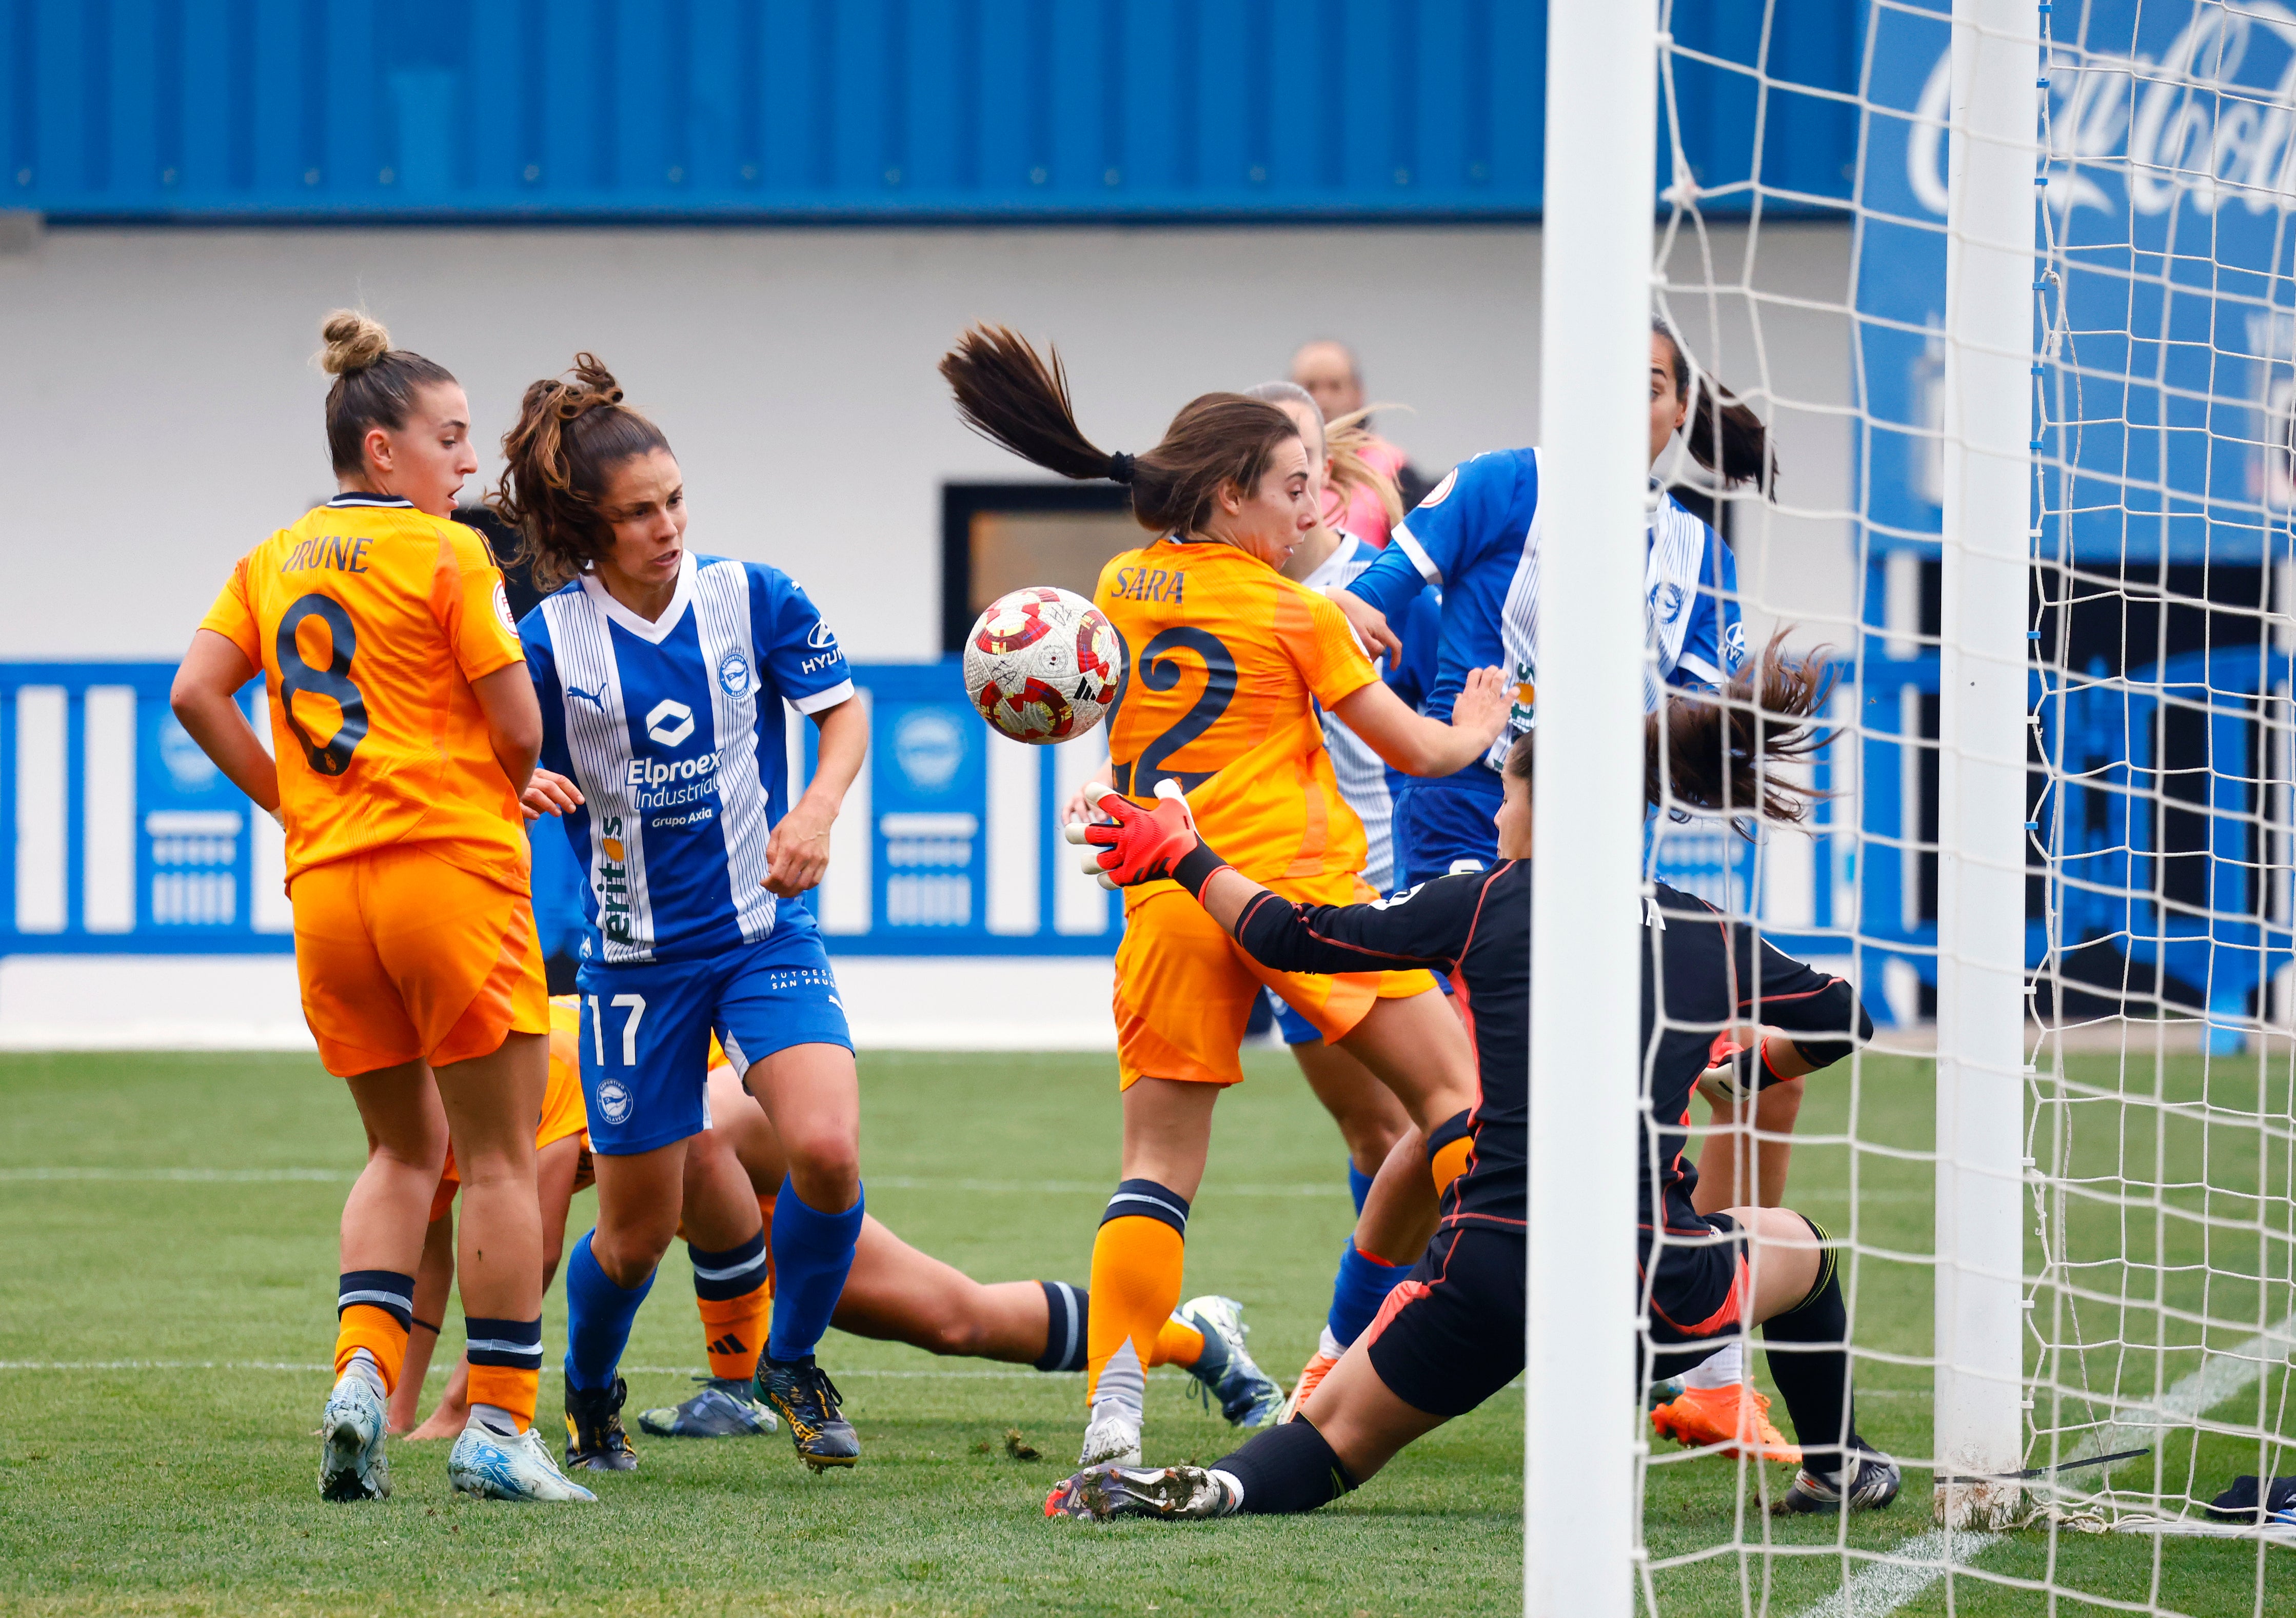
485	1463
1112	1438
352	1464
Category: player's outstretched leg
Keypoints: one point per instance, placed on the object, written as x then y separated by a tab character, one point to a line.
1226	1374
1283	1470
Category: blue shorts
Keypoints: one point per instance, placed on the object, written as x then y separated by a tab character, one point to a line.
1444	825
645	1071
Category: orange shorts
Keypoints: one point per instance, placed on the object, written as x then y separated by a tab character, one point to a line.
561	1103
1185	988
403	956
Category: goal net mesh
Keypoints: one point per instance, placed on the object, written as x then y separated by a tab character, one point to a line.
2160	884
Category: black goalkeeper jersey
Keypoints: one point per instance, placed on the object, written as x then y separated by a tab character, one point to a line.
1712	973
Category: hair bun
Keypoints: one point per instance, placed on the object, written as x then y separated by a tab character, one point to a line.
353	342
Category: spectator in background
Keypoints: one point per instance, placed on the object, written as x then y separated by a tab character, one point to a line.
1328	371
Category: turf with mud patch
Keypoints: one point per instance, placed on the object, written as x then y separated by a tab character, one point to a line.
185	1487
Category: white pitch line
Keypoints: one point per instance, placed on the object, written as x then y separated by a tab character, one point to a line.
1911	1566
881	1182
1881	1587
221	1176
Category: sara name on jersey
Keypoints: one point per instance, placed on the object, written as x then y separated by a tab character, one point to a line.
674	731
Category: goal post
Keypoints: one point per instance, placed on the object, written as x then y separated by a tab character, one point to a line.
1580	1505
1986	566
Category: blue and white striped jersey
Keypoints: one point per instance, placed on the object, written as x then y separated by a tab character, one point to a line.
673	732
1361	773
1477	535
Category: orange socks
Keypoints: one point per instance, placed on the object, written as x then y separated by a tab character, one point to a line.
734	1329
732	1291
505	1359
374	1310
1136	1282
1177	1344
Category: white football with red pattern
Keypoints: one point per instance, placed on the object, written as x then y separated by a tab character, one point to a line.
1042	665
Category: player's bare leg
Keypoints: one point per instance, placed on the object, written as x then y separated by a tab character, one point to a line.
381	1244
1370	1118
556	1166
1418	1048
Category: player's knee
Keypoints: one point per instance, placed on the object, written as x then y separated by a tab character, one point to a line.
629	1254
825	1169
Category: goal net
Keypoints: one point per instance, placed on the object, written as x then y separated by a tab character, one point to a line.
2067	1255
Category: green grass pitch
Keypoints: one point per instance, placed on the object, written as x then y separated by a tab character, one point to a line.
191	1490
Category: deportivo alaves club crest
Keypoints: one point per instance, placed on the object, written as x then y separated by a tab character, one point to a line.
733	674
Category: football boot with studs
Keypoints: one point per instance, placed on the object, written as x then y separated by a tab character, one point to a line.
594	1438
726	1407
801	1394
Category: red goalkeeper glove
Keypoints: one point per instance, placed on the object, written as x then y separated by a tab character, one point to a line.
1135	845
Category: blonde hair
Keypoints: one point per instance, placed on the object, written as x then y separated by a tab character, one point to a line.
374	386
1345	442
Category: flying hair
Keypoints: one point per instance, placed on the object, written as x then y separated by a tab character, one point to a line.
375	384
1018	400
1723	434
571	434
1718	752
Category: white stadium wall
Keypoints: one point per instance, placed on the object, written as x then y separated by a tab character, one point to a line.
162	411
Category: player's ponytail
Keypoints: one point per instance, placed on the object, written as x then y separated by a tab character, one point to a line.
1014	398
571	435
1723	434
1718	752
374	386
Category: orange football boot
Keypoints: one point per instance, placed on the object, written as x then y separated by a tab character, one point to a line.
1327	1355
1737	1419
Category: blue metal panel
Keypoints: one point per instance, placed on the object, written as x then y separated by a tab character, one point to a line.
860	109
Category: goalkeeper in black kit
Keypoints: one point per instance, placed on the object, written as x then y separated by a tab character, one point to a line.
1452	1335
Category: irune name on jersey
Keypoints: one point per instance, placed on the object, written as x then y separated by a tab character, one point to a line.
648	779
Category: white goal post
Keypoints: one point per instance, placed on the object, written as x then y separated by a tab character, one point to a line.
1986	564
1579	1459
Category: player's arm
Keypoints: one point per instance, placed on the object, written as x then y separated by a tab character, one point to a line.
796	854
205	700
513	720
1135	845
1809	1020
1420	745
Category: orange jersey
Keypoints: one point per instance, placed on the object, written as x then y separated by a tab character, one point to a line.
1226	660
369	619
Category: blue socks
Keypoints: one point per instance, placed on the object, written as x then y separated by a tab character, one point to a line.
812	1253
1358	1291
598	1316
1358	1185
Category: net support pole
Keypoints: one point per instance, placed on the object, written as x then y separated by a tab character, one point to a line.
1581	1449
1981	807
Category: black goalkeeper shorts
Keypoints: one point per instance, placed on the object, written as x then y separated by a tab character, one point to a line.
1450	1333
1696	1280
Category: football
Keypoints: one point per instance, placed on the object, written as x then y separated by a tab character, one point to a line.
1042	665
